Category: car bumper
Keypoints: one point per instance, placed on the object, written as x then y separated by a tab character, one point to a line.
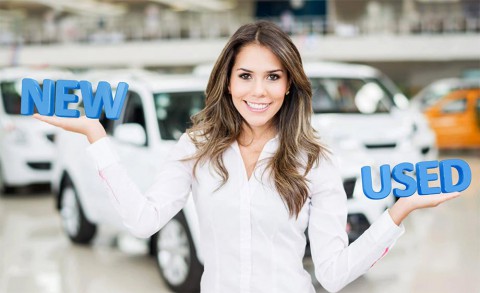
23	166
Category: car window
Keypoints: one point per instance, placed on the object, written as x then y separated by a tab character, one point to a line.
134	111
434	93
455	106
174	111
108	124
11	98
342	95
478	111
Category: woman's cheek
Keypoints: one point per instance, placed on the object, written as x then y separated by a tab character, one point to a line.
239	90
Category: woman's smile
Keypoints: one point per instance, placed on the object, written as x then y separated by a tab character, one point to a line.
257	107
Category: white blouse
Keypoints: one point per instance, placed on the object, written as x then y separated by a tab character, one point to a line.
248	240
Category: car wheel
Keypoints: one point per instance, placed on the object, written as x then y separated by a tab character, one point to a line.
4	188
74	222
176	256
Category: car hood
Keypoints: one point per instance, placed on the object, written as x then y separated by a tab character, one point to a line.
29	124
365	128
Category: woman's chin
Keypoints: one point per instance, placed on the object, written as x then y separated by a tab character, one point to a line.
256	123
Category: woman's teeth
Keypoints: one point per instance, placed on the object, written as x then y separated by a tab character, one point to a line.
257	106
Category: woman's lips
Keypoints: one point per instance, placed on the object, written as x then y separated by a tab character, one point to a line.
257	107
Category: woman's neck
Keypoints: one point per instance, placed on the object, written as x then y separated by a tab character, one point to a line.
256	134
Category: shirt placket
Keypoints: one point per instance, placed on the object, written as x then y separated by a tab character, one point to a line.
245	240
246	226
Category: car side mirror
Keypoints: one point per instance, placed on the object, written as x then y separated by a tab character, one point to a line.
132	133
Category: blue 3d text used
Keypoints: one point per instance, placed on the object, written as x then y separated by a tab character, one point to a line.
43	98
400	175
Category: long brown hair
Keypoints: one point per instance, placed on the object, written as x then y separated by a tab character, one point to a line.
219	124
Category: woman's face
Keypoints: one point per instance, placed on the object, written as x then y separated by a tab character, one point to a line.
258	84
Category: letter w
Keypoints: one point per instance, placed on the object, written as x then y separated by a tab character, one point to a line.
103	97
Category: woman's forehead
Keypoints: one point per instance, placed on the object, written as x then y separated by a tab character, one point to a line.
257	58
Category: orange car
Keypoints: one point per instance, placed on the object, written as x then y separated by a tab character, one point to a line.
456	119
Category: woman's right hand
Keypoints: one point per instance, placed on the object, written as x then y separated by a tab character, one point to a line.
91	128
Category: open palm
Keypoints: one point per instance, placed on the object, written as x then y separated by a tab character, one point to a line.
427	201
92	128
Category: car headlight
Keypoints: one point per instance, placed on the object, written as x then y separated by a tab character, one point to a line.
19	137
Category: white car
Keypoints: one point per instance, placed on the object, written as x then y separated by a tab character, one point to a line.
26	144
359	103
156	112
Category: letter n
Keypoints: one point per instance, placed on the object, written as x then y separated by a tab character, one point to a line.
32	95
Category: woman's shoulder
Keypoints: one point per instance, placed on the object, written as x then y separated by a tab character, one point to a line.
184	147
327	165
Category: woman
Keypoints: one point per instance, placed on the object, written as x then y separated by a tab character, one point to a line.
258	175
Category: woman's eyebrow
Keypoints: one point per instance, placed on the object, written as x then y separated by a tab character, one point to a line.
269	71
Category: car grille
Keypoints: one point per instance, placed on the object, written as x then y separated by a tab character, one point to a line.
349	186
40	165
425	150
381	146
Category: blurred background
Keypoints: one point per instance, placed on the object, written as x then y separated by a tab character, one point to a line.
393	80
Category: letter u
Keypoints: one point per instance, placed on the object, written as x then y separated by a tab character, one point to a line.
385	182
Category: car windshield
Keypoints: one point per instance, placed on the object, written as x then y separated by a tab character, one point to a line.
349	95
11	97
436	91
431	95
174	111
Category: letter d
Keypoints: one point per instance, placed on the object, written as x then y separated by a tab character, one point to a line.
464	175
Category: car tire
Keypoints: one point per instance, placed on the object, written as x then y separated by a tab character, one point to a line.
75	224
176	256
5	188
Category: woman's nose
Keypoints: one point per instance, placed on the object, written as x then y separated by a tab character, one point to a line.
259	88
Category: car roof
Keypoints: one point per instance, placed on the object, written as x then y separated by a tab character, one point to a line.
341	70
15	73
154	82
463	91
317	69
456	83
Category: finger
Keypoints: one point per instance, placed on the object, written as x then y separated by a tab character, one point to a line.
49	119
448	196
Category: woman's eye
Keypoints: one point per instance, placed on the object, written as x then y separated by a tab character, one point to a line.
273	76
244	76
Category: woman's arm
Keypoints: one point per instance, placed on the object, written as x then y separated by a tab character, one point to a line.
143	214
337	263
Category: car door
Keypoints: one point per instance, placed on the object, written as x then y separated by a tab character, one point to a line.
137	159
451	120
475	119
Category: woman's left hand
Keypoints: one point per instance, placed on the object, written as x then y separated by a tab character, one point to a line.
406	205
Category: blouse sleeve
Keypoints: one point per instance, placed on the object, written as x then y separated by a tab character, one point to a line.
337	263
144	214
